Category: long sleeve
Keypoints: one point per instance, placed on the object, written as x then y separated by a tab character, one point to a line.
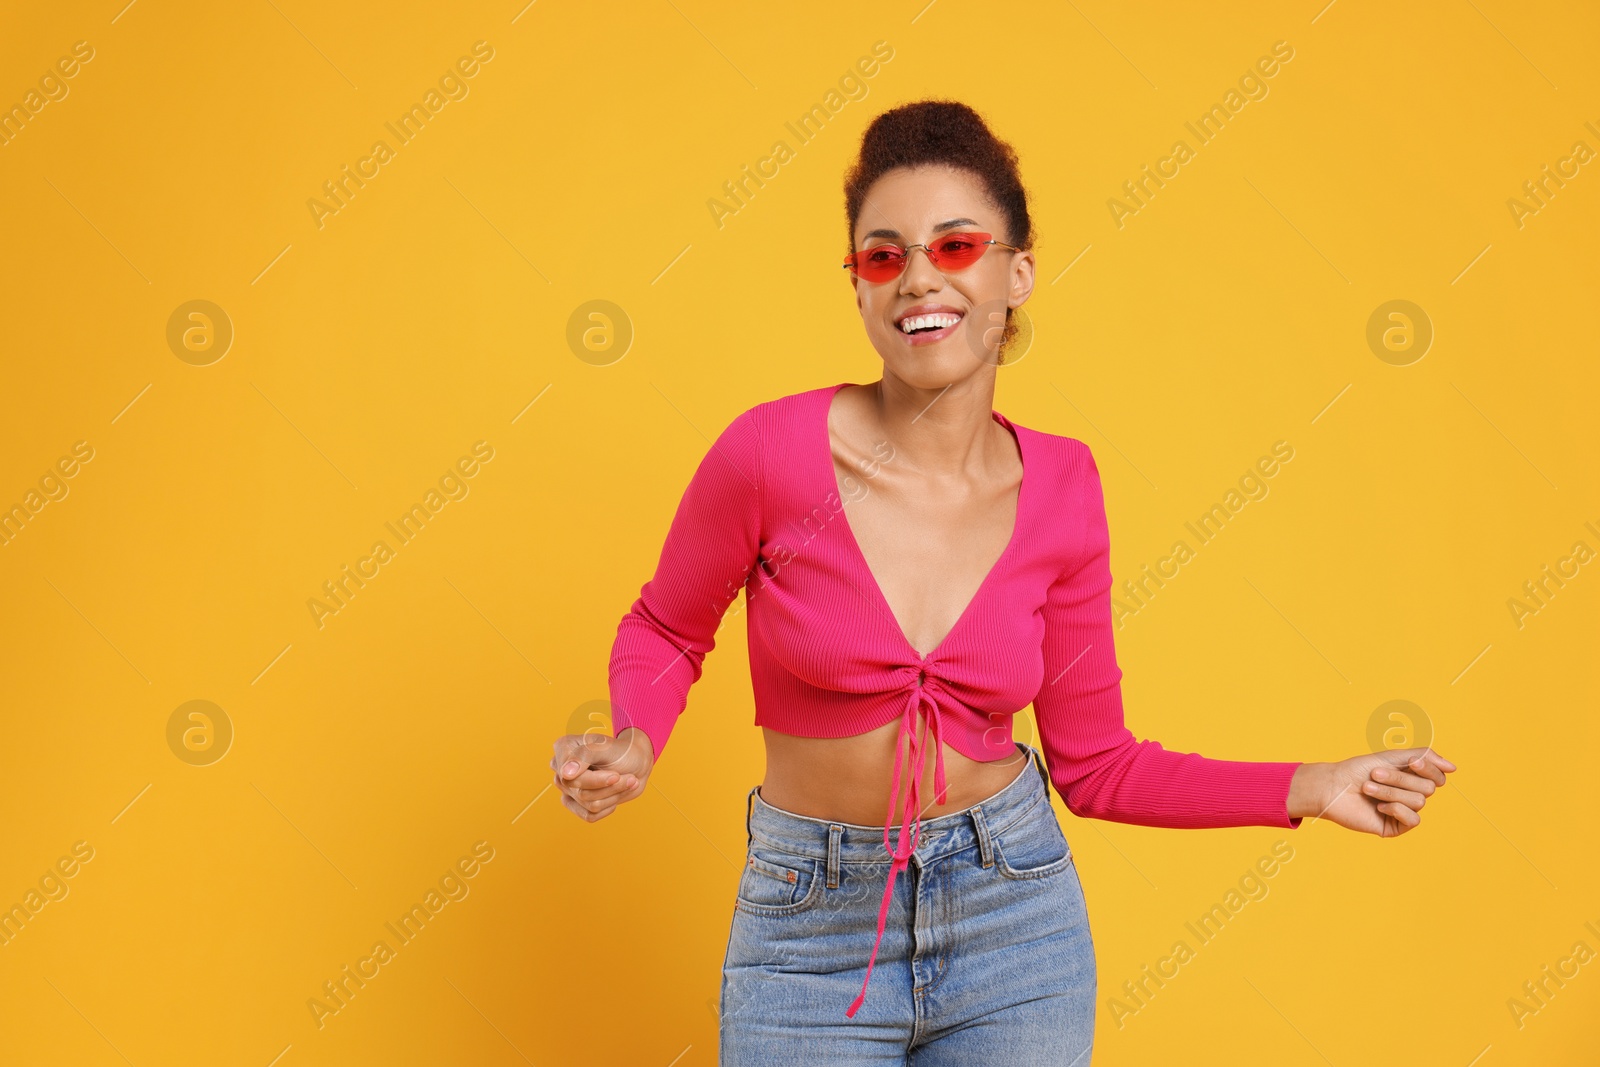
1095	762
710	548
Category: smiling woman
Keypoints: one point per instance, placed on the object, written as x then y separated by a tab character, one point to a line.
903	642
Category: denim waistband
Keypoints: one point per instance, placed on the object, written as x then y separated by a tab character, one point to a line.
847	842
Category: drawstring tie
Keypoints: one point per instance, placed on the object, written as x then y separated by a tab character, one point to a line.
902	852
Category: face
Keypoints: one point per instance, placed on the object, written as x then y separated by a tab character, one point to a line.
915	206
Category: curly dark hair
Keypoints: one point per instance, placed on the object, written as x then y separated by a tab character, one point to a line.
948	133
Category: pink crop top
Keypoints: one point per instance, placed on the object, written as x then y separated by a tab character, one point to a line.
827	658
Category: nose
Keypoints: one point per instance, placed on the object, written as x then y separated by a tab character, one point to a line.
920	273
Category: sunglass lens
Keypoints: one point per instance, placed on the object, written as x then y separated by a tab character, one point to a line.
958	250
880	263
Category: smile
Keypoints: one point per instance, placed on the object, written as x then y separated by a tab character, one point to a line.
928	325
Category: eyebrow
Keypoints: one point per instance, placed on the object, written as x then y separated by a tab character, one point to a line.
947	225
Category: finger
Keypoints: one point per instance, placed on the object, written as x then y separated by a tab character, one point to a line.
569	768
581	812
572	806
574	765
1423	762
594	809
589	812
1433	765
1379	791
1425	768
574	791
590	798
1401	814
587	768
576	753
1433	757
593	778
1396	777
597	782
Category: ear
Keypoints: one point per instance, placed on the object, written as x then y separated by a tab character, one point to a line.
1022	279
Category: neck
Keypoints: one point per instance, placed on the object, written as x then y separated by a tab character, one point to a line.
943	430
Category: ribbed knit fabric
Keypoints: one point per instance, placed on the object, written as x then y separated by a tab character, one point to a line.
763	513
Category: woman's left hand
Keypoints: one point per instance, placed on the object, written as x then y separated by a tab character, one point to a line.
1376	793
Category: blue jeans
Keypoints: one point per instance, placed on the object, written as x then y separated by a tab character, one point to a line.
986	956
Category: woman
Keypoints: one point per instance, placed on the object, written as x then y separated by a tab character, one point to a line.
969	580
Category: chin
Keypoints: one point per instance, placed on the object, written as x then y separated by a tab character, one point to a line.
928	366
930	371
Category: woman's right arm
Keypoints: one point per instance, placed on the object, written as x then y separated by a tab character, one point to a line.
661	643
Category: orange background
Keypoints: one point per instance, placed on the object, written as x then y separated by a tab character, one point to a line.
375	346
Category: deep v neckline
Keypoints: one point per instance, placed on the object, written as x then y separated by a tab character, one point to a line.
860	559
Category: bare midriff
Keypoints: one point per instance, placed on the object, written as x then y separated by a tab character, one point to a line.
847	779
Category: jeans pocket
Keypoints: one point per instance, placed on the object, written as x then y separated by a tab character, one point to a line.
1033	846
776	883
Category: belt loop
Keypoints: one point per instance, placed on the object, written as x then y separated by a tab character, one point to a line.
835	832
980	826
1044	772
749	810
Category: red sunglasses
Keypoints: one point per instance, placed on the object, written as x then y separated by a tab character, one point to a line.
953	251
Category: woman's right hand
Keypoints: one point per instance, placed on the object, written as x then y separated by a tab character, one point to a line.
595	773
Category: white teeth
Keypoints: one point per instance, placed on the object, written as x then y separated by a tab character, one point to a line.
918	322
